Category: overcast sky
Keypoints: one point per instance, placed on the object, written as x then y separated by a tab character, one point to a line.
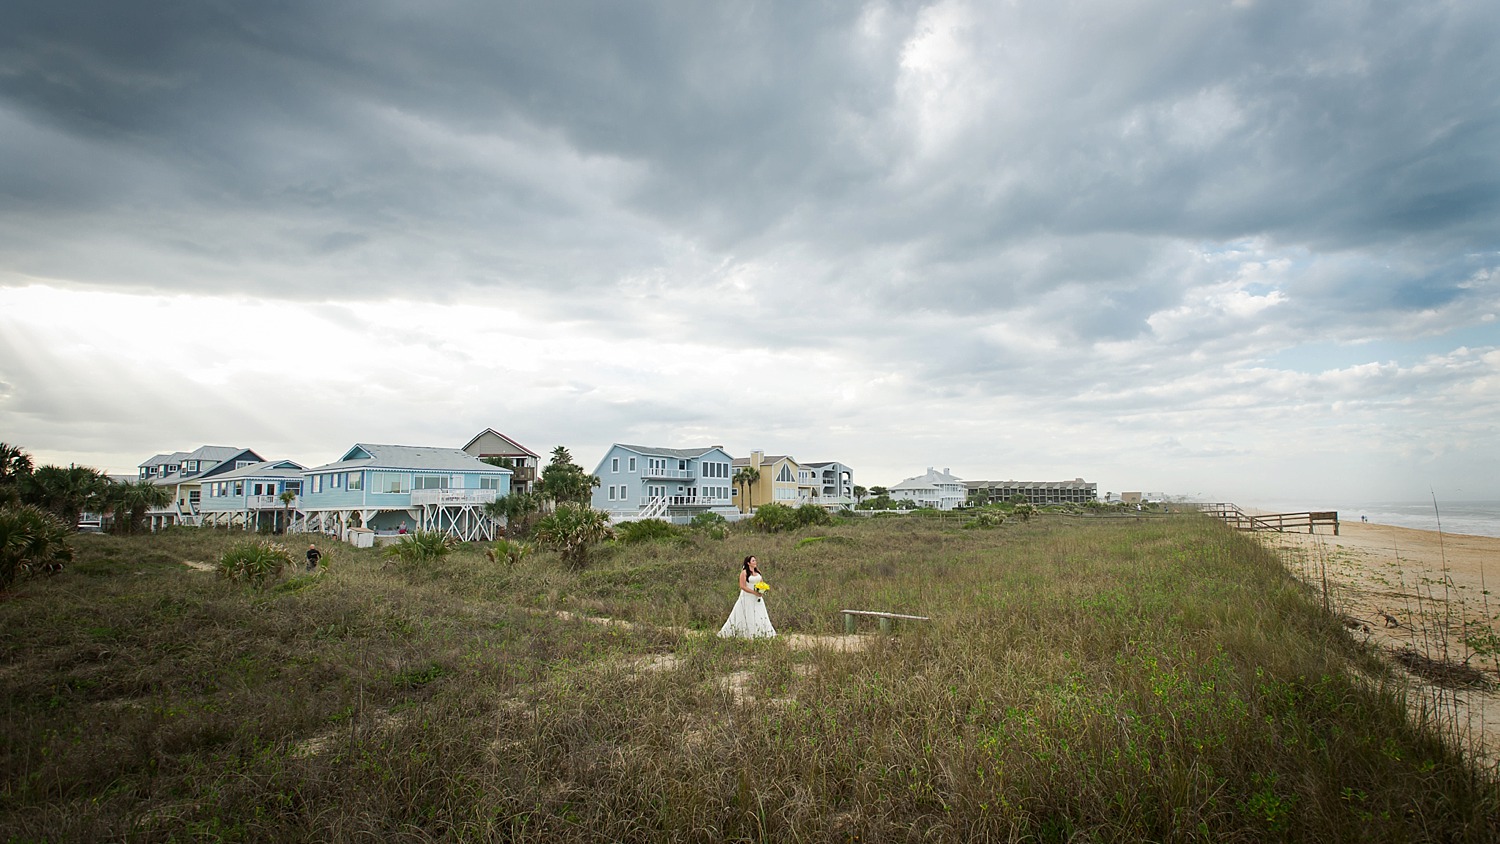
1245	250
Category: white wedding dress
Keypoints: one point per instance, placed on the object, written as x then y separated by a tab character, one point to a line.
749	619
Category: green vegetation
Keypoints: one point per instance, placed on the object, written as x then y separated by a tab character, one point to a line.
32	540
775	518
1082	679
256	562
572	530
422	546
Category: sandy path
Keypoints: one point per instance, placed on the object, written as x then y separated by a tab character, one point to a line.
1420	592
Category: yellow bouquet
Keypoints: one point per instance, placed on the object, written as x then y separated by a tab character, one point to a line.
763	587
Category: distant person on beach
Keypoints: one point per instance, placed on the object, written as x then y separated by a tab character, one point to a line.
313	556
1364	518
749	619
402	528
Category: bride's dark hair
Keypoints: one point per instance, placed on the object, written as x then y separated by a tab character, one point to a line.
746	565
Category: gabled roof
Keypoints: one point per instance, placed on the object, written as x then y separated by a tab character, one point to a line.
677	453
766	459
373	456
519	449
218	453
223	458
265	469
928	481
163	459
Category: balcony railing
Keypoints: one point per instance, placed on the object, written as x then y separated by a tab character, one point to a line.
675	474
453	496
269	502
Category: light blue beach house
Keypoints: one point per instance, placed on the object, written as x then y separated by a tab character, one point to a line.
385	487
250	497
674	484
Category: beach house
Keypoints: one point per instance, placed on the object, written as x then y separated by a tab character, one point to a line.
183	472
833	484
250	497
522	461
383	488
673	484
780	478
938	490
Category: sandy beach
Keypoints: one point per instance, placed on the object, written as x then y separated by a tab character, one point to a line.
1420	596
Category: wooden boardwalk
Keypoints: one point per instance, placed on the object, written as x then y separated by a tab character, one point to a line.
1233	516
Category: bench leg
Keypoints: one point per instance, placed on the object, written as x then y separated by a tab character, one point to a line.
885	625
848	625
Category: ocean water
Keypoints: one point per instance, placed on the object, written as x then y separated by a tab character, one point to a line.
1476	518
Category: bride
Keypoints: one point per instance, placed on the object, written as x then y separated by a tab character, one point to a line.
748	620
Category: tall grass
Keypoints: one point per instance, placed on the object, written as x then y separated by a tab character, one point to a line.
1081	680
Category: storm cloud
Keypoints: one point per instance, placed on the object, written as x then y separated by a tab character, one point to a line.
1148	244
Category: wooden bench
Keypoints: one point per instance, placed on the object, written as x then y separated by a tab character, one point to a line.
885	619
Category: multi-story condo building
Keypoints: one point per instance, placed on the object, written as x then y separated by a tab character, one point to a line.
1076	491
673	484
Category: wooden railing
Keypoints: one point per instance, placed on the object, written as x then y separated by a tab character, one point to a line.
1238	519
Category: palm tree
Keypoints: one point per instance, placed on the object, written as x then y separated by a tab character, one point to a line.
15	467
572	529
860	493
129	501
31	539
287	497
746	478
517	509
65	492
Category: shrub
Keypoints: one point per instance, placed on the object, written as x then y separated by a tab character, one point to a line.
711	525
774	518
31	540
809	515
571	530
1025	510
508	551
255	562
985	520
646	530
422	546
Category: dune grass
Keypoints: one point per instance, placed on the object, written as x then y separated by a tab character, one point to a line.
1081	680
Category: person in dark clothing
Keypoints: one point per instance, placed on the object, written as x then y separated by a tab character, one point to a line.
313	556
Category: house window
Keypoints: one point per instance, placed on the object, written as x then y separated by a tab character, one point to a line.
294	487
630	464
336	480
390	482
489	483
239	487
430	482
624	493
614	465
356	480
785	475
611	492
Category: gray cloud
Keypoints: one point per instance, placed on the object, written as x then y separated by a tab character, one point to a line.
1114	210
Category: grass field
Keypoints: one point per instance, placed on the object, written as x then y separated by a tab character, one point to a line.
1081	680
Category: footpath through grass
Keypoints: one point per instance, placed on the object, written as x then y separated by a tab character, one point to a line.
1081	680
